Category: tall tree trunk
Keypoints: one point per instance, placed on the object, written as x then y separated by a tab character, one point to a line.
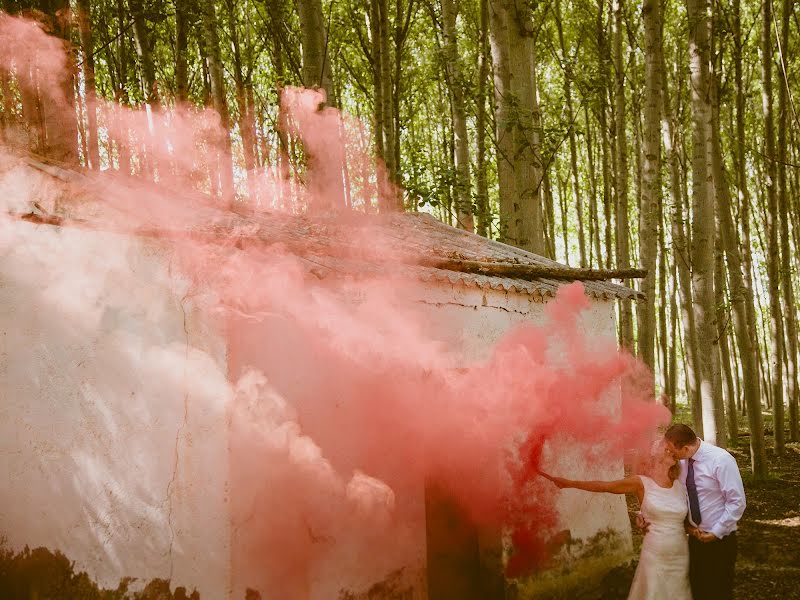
773	226
504	118
594	218
325	179
604	52
482	187
314	41
573	147
680	249
785	210
673	336
120	93
219	98
387	97
48	110
181	51
663	322
384	104
276	18
703	223
651	180
621	176
563	204
462	191
549	214
147	75
7	118
84	14
607	186
518	116
144	50
726	362
681	254
247	123
744	219
741	296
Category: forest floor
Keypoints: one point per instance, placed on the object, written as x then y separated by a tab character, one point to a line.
768	564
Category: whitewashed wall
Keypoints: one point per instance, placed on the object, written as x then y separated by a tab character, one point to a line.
114	440
484	317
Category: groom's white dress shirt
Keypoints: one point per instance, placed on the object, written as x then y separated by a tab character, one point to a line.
720	491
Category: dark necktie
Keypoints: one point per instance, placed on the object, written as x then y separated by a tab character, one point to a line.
691	489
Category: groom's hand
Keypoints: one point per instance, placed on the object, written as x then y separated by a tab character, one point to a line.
641	522
705	536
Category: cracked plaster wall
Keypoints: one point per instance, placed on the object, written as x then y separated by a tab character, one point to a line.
113	447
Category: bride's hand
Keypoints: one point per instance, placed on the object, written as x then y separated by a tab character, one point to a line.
559	482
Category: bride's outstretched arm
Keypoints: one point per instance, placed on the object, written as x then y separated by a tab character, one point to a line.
629	485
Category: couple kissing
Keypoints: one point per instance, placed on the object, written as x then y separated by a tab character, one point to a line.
691	497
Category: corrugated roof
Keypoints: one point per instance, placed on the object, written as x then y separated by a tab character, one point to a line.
335	245
420	234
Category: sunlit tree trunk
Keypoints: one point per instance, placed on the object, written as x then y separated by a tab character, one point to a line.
651	178
703	224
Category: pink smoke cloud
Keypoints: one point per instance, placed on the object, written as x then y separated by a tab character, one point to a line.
343	400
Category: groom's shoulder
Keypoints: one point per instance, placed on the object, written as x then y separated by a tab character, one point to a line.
721	454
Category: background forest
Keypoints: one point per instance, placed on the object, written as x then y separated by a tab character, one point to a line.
602	134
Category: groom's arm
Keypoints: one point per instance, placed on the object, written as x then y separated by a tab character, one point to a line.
730	484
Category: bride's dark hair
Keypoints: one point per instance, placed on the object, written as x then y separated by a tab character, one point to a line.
674	471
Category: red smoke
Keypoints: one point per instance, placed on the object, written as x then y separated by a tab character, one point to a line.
345	398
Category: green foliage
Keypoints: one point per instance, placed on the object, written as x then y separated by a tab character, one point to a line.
47	575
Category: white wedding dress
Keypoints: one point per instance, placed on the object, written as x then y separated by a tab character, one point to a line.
663	571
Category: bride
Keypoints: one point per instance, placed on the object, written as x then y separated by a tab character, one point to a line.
663	571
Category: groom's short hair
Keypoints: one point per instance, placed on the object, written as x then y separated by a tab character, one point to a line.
680	435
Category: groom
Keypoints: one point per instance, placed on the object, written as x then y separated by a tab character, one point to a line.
716	503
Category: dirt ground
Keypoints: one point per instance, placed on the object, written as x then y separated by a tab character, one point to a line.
768	564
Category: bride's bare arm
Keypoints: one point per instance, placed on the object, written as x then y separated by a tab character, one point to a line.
629	485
